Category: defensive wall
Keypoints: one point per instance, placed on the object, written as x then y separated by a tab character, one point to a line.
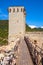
35	36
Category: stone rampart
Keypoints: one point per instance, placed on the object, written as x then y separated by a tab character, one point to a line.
35	36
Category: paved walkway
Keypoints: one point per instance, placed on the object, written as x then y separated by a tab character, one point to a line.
24	57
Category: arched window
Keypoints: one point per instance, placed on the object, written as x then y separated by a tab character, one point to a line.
9	10
17	10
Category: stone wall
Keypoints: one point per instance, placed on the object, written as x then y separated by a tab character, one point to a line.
36	36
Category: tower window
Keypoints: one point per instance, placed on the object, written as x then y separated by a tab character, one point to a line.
21	9
13	10
17	10
9	10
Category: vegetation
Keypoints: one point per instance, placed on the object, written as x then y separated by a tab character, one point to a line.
28	29
4	31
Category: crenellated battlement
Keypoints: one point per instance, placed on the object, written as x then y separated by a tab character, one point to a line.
16	9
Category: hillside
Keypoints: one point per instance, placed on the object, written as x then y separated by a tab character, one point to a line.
4	31
28	29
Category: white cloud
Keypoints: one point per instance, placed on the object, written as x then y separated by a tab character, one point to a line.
41	26
32	26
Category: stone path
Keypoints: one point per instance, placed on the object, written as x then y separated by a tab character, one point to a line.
24	57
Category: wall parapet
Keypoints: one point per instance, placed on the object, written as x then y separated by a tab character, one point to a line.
34	32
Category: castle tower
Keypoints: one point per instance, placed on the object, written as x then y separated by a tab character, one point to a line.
16	23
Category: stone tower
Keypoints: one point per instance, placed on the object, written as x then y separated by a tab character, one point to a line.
16	22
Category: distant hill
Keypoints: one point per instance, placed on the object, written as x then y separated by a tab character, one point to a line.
4	31
28	29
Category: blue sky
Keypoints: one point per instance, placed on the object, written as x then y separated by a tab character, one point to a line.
34	10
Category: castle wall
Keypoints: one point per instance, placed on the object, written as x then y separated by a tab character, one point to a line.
36	36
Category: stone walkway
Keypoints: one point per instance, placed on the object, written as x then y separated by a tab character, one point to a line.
24	57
